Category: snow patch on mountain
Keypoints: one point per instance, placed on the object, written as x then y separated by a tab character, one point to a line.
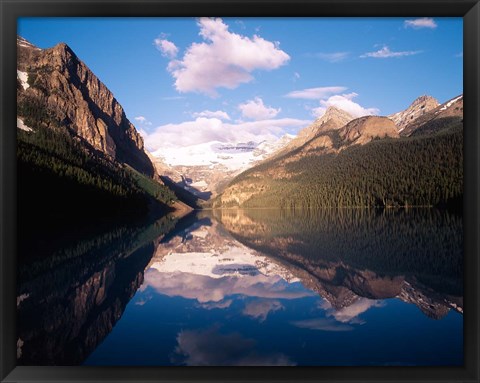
26	44
22	126
449	104
417	108
204	167
23	77
231	156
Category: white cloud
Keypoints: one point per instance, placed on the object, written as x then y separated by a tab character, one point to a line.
167	48
203	130
173	98
296	76
329	96
204	288
316	93
223	60
344	102
350	313
385	52
241	24
216	305
256	110
210	347
209	114
333	57
142	120
322	324
424	22
260	308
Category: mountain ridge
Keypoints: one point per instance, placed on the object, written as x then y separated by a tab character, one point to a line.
72	96
417	108
320	173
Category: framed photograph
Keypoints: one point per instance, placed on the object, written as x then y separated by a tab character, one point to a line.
236	191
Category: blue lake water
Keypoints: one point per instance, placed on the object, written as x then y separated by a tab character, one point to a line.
255	287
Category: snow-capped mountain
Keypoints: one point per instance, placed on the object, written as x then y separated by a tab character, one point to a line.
206	167
417	108
436	118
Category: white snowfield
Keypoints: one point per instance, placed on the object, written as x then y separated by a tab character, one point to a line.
233	156
23	77
24	43
21	125
449	104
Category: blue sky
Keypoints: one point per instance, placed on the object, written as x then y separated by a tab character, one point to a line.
258	76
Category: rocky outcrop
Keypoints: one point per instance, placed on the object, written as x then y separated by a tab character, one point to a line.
438	119
333	119
63	91
365	129
419	107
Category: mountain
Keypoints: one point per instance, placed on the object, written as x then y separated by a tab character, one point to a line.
333	119
365	129
204	169
439	119
79	158
55	84
417	108
364	163
427	113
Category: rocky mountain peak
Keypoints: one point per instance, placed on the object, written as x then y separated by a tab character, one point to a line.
73	97
424	99
437	118
417	108
334	117
64	51
334	112
23	43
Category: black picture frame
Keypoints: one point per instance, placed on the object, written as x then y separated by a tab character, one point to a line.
10	10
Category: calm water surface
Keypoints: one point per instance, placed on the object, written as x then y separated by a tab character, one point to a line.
252	287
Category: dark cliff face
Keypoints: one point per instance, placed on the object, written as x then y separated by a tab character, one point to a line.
72	96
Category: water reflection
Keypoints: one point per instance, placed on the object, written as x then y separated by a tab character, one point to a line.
208	265
69	302
210	347
257	287
345	254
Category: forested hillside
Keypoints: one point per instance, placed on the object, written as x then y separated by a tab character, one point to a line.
423	170
61	180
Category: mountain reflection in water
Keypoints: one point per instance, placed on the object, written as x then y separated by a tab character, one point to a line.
256	287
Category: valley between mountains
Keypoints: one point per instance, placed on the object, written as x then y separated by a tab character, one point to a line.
81	156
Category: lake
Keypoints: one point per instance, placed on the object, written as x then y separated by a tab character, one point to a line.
333	287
